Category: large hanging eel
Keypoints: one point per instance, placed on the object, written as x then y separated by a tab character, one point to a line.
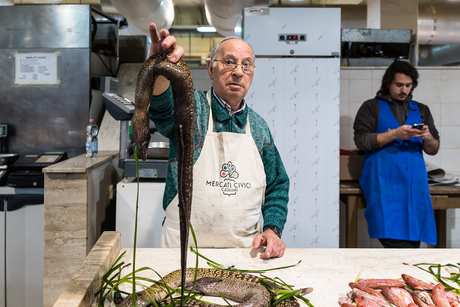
173	280
184	107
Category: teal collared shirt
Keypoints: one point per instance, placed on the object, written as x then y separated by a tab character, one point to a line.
227	107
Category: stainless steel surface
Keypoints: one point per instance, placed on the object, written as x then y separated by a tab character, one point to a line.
45	26
158	150
8	158
46	117
434	55
376	36
439	24
21	248
125	146
127	79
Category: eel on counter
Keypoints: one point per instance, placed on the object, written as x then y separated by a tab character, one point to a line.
173	281
184	112
248	294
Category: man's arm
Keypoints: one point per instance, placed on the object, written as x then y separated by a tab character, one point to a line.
430	144
365	125
431	139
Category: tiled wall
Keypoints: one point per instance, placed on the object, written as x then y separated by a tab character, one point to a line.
439	88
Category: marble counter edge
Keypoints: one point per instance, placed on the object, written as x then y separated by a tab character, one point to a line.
81	163
87	280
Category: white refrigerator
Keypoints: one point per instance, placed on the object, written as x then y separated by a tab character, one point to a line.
296	89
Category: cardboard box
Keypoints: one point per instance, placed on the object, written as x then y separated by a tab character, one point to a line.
351	167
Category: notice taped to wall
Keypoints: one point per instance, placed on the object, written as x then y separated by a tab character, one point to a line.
36	69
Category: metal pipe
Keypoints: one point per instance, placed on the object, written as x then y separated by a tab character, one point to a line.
439	24
224	15
141	13
124	143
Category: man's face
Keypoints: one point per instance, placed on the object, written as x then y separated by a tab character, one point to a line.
400	87
231	86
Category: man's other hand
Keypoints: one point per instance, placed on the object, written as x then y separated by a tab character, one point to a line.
275	247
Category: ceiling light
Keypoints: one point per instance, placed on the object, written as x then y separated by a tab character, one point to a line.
206	29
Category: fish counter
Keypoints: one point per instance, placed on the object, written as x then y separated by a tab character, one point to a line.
327	270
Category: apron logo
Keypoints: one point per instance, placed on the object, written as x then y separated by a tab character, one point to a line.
228	169
229	186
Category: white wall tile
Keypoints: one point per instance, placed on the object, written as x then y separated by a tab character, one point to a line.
344	134
344	74
435	160
344	91
360	74
450	139
376	84
429	74
450	113
344	111
435	109
450	74
428	91
450	91
360	91
377	74
450	161
354	107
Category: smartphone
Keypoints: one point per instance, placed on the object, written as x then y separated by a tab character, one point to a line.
418	126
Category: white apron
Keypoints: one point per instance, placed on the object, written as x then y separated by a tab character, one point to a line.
228	192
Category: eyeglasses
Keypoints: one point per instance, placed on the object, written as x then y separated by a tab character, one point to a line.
231	66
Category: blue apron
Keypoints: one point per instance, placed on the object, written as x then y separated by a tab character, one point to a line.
395	185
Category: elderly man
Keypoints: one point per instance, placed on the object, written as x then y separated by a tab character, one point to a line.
394	131
238	173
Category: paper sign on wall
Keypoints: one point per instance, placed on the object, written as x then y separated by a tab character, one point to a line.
36	68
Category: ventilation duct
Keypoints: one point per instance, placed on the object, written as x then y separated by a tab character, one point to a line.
141	13
225	15
439	24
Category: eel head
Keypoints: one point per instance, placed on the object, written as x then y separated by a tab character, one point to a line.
141	136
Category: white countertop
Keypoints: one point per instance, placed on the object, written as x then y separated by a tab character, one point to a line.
327	271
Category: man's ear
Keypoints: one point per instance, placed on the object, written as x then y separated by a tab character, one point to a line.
210	68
